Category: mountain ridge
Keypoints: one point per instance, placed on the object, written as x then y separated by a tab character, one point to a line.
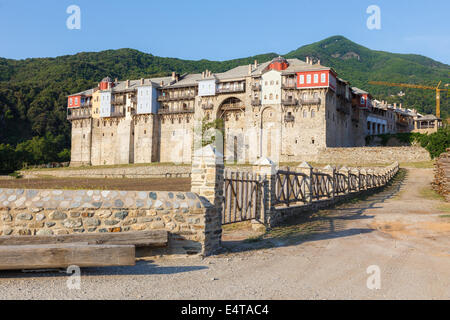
33	91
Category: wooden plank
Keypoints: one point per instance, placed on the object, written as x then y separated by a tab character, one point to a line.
64	255
153	238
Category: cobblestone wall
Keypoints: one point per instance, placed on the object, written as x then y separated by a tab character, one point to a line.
51	212
354	156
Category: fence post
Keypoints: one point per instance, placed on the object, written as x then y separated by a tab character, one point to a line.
346	172
267	169
306	168
332	172
207	181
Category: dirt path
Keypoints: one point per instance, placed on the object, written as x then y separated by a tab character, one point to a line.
402	230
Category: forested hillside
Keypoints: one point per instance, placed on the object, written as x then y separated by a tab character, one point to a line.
33	91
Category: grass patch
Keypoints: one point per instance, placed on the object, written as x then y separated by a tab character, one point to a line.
444	208
430	194
418	165
245	225
132	165
444	216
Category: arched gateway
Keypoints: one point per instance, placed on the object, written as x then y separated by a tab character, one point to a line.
232	111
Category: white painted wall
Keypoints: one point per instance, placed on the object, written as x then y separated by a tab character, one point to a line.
105	104
206	88
146	100
271	87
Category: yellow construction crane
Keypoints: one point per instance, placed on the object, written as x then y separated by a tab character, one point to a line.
416	86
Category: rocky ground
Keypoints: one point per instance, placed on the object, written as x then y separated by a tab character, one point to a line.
404	231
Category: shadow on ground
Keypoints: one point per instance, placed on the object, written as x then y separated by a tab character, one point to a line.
141	268
323	224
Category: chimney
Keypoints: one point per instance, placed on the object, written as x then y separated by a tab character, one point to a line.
174	76
395	105
203	75
401	105
318	61
127	84
249	69
256	63
307	60
117	80
142	81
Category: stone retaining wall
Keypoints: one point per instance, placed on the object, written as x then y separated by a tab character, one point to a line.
51	212
355	156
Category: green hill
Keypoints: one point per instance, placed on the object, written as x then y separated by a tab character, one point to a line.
33	91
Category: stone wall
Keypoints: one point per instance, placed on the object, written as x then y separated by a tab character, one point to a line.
185	215
356	156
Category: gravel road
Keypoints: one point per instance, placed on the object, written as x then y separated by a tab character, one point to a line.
403	232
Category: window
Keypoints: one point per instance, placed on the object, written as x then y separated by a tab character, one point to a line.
308	78
316	78
313	113
323	78
70	101
271	82
302	79
305	114
271	96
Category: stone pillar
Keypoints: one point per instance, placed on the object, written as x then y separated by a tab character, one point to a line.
207	181
306	169
267	169
363	179
346	172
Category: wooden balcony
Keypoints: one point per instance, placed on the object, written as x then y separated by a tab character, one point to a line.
231	89
116	114
117	102
256	103
78	113
289	85
175	110
289	102
289	118
342	107
310	101
208	106
177	97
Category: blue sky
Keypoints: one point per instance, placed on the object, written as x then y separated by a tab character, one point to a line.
220	30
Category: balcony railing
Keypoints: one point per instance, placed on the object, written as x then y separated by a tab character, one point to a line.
289	118
208	106
86	104
289	102
78	113
118	102
116	114
289	85
177	97
233	106
231	89
343	108
310	101
256	103
175	111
